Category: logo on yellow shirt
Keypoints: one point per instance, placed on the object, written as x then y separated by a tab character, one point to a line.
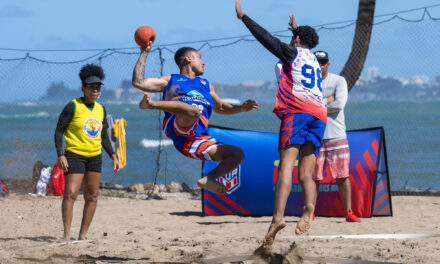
92	128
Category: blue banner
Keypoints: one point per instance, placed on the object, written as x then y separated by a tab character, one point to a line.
251	186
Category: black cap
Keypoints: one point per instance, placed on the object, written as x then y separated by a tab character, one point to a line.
92	79
322	56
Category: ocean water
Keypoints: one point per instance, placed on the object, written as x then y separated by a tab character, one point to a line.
413	146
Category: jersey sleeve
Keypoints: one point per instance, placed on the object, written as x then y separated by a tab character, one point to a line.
105	138
278	48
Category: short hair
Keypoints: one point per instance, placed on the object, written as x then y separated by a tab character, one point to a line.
307	36
181	54
89	70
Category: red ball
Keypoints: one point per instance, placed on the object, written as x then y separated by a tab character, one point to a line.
143	35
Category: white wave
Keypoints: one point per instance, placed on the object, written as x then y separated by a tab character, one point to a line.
151	143
28	104
39	114
231	101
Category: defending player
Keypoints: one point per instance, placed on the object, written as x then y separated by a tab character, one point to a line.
303	116
188	101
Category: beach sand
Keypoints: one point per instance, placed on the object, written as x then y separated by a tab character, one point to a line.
172	230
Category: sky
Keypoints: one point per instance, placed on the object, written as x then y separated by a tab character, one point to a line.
55	24
101	24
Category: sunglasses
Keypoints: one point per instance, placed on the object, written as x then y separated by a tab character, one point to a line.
93	86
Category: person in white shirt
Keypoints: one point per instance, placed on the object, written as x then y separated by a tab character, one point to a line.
334	150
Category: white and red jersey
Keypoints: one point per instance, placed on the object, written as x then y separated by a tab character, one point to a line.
299	86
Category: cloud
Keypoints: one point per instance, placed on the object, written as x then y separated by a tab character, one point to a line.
14	11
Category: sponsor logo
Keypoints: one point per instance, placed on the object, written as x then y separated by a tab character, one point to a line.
231	180
203	82
92	128
195	93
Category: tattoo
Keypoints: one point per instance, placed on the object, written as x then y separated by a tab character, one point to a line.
139	70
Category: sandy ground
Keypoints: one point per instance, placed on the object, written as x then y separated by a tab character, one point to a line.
172	230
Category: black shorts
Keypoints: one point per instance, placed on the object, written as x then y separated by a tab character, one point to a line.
81	164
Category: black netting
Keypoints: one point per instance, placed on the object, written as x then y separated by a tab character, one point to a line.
35	87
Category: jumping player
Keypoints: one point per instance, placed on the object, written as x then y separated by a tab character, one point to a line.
188	101
303	116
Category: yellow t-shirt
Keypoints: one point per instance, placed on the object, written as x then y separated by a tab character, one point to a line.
83	134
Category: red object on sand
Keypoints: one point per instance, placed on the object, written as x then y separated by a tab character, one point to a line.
143	35
56	184
3	187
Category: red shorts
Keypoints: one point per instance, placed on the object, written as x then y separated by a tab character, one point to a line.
334	154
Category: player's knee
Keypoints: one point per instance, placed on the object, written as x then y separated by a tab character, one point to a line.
71	196
91	197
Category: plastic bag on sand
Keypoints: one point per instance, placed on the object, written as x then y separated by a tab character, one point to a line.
3	189
56	185
43	182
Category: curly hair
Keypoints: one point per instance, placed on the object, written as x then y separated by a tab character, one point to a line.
181	53
91	70
307	36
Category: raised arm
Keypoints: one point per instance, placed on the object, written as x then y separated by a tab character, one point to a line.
147	84
224	108
280	49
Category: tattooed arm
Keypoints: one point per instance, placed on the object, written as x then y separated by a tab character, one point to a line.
147	84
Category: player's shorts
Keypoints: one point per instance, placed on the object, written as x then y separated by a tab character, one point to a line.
336	155
299	128
188	142
81	164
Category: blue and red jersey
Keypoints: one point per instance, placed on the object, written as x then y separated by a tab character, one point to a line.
299	87
192	141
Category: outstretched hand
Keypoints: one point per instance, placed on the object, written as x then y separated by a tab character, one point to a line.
292	23
238	10
249	105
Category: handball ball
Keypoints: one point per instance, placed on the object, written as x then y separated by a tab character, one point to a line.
143	35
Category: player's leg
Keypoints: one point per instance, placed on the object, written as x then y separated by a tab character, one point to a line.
282	190
230	157
186	114
71	189
338	159
306	166
72	183
318	173
91	189
345	192
344	186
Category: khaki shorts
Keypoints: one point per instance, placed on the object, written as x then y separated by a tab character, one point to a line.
333	158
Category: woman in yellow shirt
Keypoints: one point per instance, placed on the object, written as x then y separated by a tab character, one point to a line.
84	126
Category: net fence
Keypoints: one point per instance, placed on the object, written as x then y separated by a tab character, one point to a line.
399	89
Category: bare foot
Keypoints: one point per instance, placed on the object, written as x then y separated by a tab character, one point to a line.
306	220
212	186
146	102
273	230
82	238
66	238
